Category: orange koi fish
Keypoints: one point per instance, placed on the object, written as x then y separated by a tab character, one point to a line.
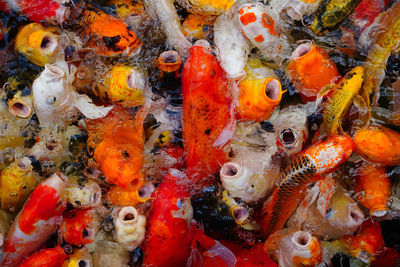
321	158
50	257
310	69
37	221
378	144
132	195
120	145
78	227
197	26
368	241
208	115
373	189
109	36
167	242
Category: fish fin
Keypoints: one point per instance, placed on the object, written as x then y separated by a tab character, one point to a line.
90	110
323	92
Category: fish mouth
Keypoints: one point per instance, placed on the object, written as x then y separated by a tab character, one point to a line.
302	239
24	163
95	198
272	89
169	57
356	217
20	108
202	43
145	191
49	44
83	263
288	138
128	215
240	214
54	72
230	170
302	50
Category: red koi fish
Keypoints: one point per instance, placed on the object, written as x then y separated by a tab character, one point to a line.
37	221
167	241
78	227
321	158
208	115
50	257
36	11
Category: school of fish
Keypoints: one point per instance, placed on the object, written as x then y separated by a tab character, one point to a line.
199	133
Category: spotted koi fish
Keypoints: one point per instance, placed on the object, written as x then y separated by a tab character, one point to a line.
321	158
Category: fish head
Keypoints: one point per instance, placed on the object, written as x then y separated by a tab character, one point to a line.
38	44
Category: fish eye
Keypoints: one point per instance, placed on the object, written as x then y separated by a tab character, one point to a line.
82	263
50	100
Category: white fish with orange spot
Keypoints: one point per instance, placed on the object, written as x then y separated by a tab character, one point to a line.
261	25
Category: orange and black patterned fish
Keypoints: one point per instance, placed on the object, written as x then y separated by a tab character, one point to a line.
208	115
308	167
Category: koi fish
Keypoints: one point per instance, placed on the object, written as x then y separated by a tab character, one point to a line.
330	14
83	193
54	99
19	100
310	69
206	7
366	243
37	221
16	183
128	10
366	12
290	126
378	55
373	189
38	11
80	257
233	46
132	195
108	35
343	95
39	44
261	26
130	227
123	85
79	226
321	158
294	248
340	217
49	257
253	257
168	224
259	92
169	62
119	151
197	26
208	117
378	144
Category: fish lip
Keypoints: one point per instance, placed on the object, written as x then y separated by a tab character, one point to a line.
202	43
124	212
355	215
231	170
146	191
20	108
302	50
272	89
240	214
302	239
